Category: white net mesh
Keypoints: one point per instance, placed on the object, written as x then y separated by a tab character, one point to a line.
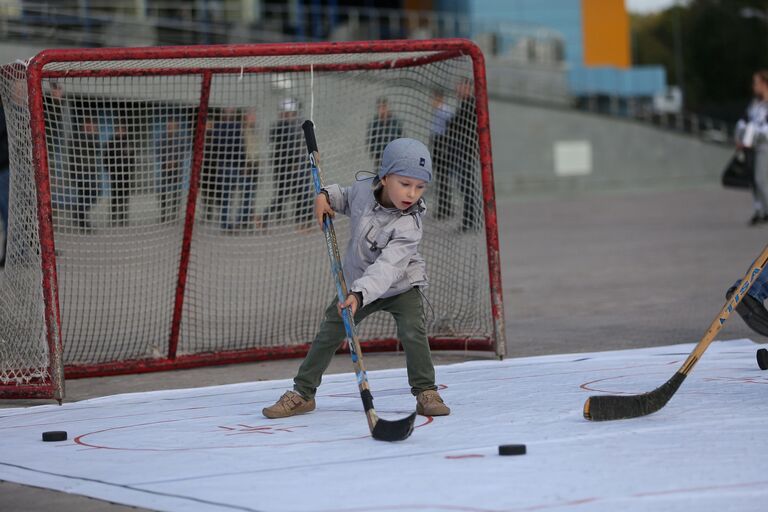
23	345
121	151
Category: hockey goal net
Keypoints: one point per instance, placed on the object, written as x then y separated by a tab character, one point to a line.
161	201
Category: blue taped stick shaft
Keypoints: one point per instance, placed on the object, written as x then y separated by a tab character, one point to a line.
336	269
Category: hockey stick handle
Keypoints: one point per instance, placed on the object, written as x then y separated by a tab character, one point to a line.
330	233
309	136
338	278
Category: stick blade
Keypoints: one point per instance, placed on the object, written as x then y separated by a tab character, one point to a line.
613	407
398	430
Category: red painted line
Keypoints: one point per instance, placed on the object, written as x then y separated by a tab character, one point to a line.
80	440
739	380
587	386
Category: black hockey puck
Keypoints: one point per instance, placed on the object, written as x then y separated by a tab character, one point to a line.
54	435
512	449
762	358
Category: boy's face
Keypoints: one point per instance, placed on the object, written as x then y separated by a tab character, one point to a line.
403	192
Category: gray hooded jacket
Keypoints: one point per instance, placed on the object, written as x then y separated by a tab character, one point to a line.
382	257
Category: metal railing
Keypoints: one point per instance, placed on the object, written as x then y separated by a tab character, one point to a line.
641	110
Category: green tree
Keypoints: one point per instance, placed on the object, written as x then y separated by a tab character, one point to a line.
723	43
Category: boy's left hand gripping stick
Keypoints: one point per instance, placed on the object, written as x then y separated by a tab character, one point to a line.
382	430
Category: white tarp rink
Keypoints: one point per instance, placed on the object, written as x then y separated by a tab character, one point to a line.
210	449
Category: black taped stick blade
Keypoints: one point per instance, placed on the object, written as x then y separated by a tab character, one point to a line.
762	358
54	435
394	430
623	407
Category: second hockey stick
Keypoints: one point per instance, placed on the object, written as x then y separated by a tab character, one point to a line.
618	407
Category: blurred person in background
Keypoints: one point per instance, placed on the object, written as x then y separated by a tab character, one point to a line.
292	181
460	141
5	175
752	133
441	114
249	173
58	127
173	151
227	146
209	187
84	167
120	160
383	128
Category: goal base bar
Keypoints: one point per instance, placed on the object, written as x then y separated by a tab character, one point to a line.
27	392
184	362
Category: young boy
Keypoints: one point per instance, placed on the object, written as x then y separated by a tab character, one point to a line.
385	270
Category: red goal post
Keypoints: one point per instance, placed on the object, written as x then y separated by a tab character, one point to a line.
160	213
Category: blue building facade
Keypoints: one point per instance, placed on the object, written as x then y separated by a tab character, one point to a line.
566	18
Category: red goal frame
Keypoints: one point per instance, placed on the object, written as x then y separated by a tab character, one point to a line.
441	49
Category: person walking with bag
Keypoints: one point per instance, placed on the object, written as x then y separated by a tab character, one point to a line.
752	135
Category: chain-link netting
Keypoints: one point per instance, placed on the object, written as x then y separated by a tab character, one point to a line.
120	159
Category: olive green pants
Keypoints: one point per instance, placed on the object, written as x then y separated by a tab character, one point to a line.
408	312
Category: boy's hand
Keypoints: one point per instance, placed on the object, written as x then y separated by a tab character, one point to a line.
322	208
352	302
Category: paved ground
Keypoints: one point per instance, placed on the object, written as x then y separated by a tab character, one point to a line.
592	272
622	270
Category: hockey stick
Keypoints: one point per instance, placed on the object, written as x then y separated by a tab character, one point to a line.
612	407
382	430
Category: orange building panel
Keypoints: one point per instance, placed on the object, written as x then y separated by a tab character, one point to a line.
605	26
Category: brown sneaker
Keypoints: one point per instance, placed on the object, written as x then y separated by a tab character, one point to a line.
290	404
429	403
